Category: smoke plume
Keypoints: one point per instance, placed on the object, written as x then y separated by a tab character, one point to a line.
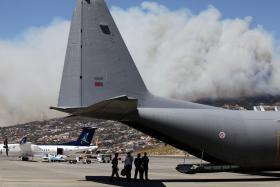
179	55
189	56
31	67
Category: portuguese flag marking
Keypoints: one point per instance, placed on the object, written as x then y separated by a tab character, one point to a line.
98	82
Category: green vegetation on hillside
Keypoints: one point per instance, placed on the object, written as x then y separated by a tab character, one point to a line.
162	150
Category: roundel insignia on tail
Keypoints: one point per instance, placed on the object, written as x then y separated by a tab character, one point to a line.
222	135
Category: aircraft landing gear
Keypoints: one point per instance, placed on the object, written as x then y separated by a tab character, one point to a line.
24	158
205	168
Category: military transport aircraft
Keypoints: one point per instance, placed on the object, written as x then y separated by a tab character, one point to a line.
100	80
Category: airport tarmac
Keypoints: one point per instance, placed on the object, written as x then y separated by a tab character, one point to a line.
162	173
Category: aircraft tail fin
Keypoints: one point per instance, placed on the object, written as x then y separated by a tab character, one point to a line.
98	65
85	137
23	140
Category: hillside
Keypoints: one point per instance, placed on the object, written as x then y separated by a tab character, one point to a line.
110	134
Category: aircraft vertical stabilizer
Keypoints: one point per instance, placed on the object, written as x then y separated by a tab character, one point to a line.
98	65
70	89
84	139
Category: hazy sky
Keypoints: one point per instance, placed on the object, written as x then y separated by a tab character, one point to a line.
17	15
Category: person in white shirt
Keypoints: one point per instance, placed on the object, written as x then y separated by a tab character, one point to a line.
128	165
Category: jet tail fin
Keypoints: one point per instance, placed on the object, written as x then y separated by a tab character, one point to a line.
23	140
98	65
85	137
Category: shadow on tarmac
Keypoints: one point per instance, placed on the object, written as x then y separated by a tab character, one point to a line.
15	158
160	182
123	182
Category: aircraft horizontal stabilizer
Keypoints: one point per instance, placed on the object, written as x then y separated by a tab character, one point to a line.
120	108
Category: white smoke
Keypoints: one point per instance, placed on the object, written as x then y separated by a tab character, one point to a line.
199	56
179	54
31	68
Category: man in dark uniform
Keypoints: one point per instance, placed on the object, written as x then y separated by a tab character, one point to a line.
6	146
115	168
145	161
138	167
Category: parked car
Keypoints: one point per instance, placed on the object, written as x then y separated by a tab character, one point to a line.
104	158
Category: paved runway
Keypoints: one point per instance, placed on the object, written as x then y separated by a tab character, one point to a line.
162	173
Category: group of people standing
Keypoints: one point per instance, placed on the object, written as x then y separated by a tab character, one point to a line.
141	166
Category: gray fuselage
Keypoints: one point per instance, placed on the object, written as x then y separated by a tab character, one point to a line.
245	138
